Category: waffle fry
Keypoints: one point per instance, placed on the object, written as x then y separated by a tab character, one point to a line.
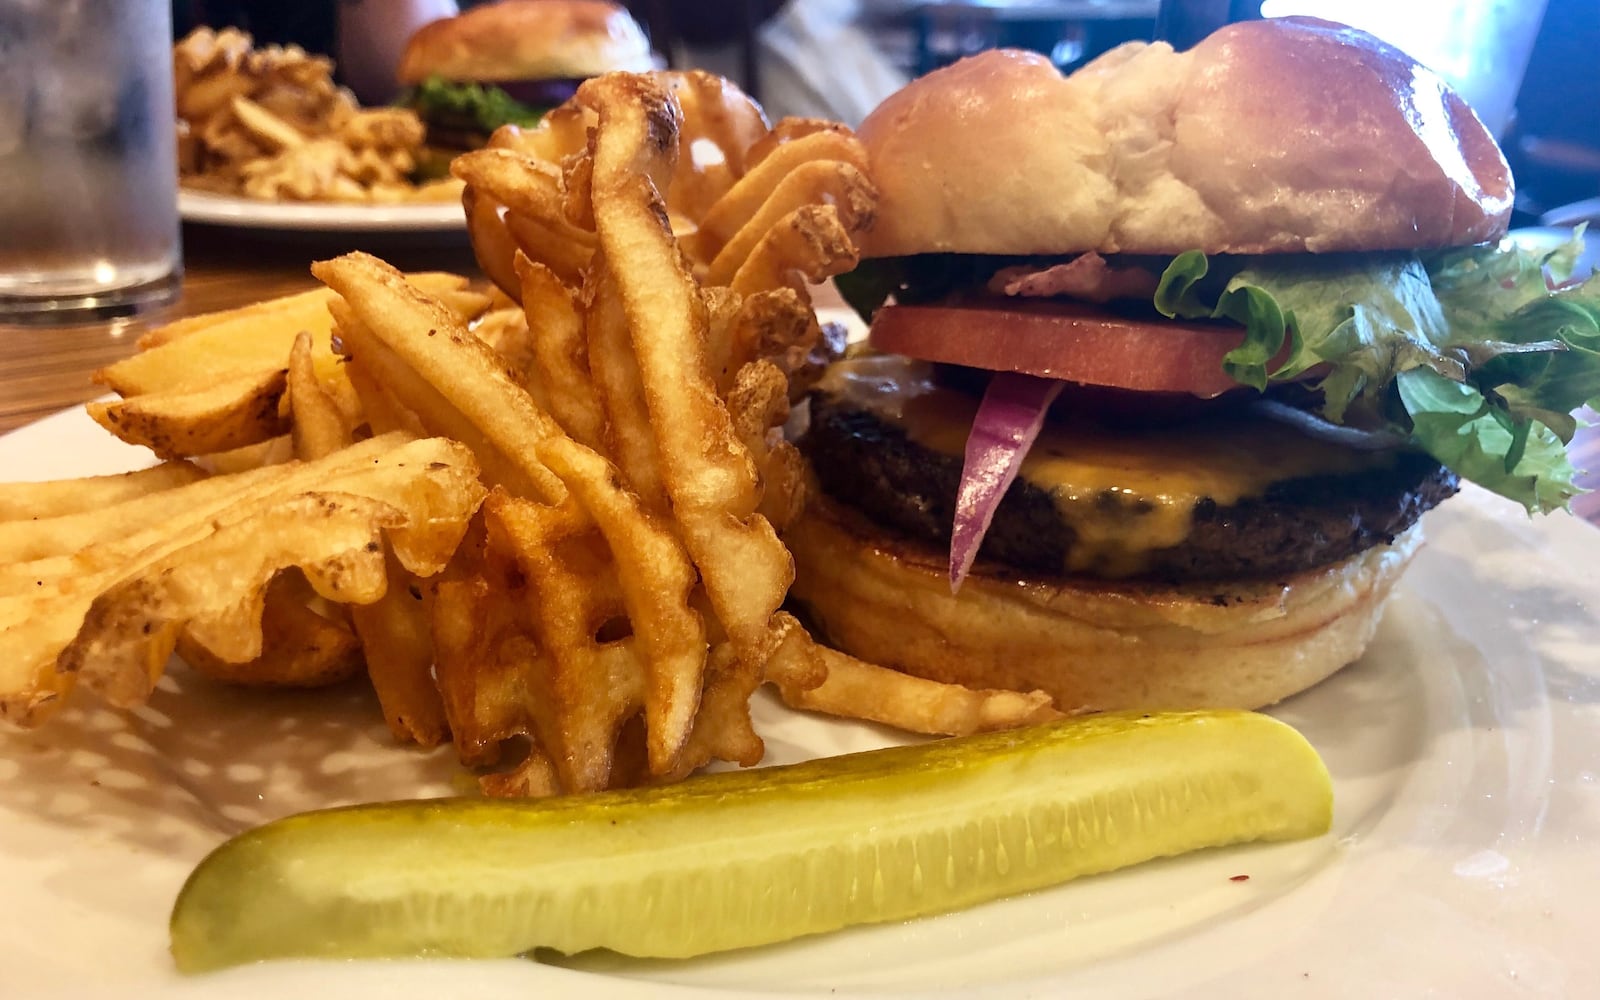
732	188
110	614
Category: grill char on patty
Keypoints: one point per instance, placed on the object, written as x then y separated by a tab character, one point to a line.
1296	525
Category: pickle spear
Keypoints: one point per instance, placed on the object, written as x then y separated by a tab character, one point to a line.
745	858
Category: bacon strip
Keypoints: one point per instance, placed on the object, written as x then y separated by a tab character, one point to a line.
1087	277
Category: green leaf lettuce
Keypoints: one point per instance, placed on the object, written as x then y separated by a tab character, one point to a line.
1466	352
469	106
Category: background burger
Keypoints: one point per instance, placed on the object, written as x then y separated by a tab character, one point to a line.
509	62
1233	318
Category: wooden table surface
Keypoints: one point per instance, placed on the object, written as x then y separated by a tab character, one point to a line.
46	368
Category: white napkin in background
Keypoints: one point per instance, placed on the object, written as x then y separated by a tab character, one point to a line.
814	61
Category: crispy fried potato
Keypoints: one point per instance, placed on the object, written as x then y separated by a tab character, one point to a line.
619	387
407	398
318	425
383	412
492	244
44	537
301	311
654	577
566	254
591	685
490	672
758	404
721	123
819	181
61	497
393	630
202	98
766	325
683	387
274	451
111	614
201	360
523	185
231	413
602	638
709	476
375	464
739	205
270	130
86	548
859	690
397	647
731	192
653	573
560	353
216	589
300	648
483	660
505	331
466	304
793	129
457	381
808	247
254	338
561	132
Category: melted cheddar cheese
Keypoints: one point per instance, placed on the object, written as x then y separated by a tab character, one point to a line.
1125	491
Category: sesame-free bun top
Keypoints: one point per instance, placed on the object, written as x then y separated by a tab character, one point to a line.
1274	136
527	40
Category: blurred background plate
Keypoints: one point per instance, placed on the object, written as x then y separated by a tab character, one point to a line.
227	210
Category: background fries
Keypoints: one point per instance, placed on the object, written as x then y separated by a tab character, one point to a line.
271	123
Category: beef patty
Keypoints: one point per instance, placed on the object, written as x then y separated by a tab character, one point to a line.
1295	525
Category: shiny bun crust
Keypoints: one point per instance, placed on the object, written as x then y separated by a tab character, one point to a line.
527	40
1090	647
1283	135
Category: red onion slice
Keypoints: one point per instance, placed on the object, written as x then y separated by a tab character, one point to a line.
1008	421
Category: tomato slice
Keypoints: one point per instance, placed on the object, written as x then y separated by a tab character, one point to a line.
1070	341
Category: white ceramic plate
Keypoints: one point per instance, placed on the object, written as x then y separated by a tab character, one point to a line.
1464	862
248	213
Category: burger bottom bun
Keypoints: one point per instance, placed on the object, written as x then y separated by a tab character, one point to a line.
1089	645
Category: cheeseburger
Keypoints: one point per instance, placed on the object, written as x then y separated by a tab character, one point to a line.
1181	347
508	62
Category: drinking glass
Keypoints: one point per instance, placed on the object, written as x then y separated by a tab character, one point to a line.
88	160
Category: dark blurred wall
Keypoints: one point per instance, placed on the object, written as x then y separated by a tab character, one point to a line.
1559	90
307	23
1554	146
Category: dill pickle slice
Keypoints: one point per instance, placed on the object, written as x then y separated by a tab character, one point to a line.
746	858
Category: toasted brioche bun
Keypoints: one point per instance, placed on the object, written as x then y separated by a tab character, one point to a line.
1089	645
527	40
1283	135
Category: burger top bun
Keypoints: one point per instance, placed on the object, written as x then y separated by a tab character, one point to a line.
527	40
1283	135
